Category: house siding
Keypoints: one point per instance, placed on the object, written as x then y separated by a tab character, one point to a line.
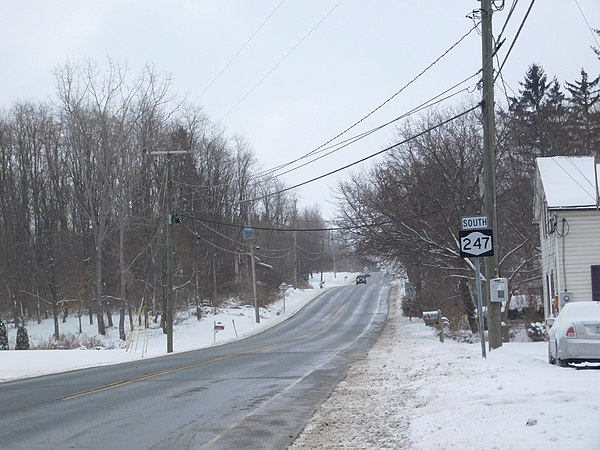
565	199
578	242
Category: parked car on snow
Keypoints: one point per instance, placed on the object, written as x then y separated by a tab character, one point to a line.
574	336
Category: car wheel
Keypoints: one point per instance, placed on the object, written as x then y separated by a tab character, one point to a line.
551	359
562	362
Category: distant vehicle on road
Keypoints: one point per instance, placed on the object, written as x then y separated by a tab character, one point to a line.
574	336
361	279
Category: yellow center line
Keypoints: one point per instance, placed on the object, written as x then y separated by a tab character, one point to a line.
158	373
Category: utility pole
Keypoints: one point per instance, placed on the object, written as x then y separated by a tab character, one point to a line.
250	238
169	251
169	288
489	168
295	258
295	245
333	253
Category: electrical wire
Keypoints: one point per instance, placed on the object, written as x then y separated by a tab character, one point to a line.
220	234
256	252
309	252
575	180
510	13
367	157
313	259
233	225
290	250
391	147
435	100
582	174
200	238
515	39
279	63
504	85
377	108
239	51
355	139
362	135
587	23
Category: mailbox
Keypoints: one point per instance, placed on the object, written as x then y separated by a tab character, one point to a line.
219	326
431	317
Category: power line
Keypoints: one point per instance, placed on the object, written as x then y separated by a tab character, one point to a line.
510	13
239	51
212	244
587	23
354	139
343	144
275	256
368	157
323	147
391	147
233	225
515	38
377	108
279	63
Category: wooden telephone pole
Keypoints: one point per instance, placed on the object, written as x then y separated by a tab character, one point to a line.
169	244
489	169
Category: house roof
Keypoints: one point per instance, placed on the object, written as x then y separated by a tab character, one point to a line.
568	182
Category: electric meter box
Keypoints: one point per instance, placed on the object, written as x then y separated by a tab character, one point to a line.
498	290
565	297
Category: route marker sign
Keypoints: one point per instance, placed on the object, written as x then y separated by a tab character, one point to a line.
477	243
474	223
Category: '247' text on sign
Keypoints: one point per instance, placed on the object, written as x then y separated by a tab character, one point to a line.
476	243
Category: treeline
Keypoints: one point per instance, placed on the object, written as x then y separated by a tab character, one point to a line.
83	205
424	186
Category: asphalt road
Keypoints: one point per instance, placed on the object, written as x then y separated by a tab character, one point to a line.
255	393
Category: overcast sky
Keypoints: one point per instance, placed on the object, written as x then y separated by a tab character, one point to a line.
305	70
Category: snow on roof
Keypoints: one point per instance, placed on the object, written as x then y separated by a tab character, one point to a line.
568	182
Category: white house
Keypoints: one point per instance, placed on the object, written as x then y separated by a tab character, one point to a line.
566	209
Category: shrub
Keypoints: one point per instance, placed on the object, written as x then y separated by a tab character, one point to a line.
536	332
22	339
3	336
68	341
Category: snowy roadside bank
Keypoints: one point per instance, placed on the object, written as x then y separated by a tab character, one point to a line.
189	334
412	392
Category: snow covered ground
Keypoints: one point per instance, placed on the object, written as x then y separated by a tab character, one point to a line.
412	392
189	334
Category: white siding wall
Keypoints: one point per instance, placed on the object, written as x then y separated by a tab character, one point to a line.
581	245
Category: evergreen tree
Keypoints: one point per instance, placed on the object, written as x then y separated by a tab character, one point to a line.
22	339
584	117
3	336
538	119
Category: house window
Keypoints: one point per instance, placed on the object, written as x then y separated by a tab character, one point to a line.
596	283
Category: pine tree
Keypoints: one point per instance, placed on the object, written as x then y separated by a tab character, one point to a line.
22	339
585	113
3	336
538	118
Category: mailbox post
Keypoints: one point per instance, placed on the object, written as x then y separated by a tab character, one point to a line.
218	326
283	287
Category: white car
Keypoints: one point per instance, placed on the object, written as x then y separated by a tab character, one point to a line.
574	336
